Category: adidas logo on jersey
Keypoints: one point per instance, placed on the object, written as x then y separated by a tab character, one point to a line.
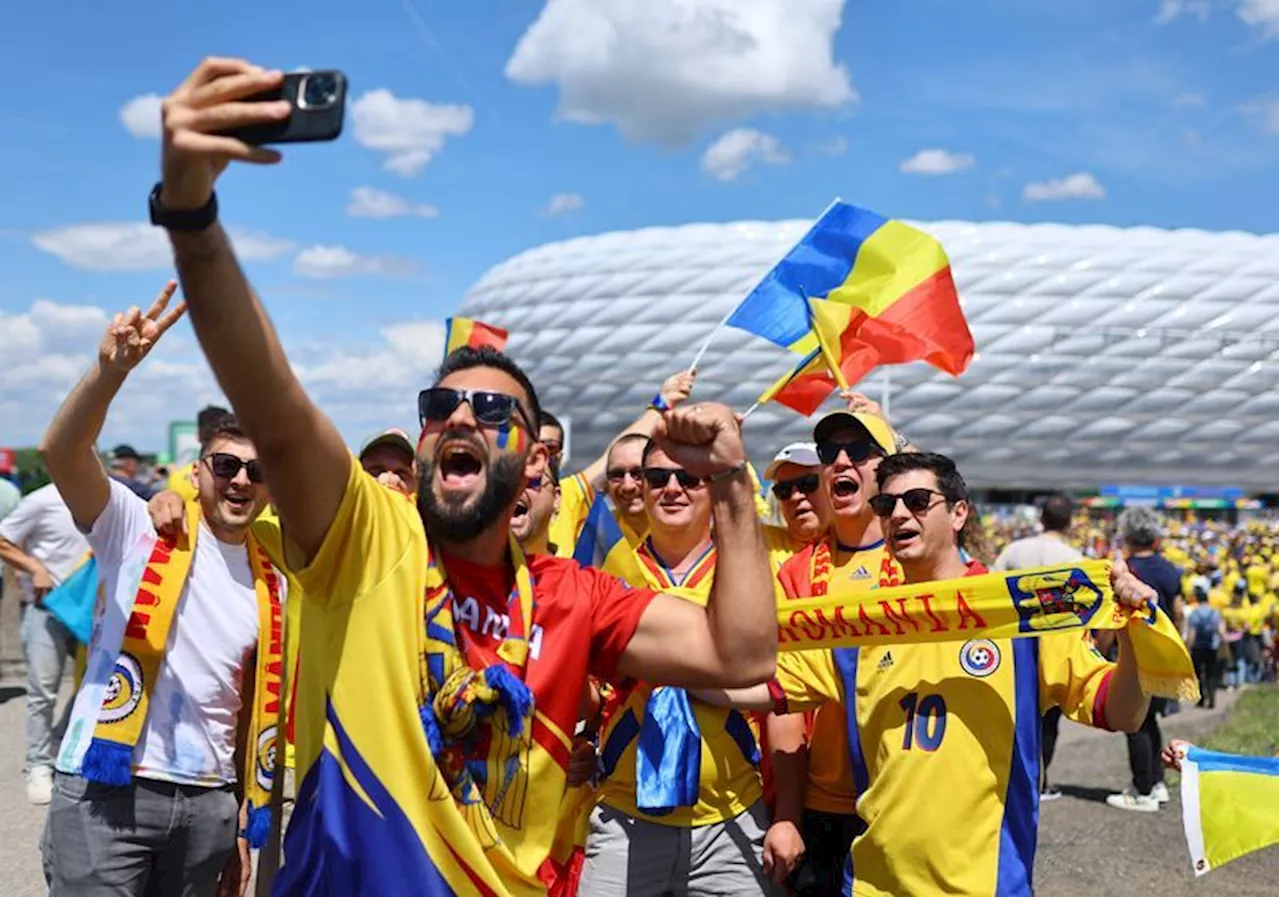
885	662
861	573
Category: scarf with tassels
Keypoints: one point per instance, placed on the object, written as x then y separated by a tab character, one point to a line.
455	697
109	758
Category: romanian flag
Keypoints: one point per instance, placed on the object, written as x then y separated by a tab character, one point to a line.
895	279
603	545
459	332
1230	806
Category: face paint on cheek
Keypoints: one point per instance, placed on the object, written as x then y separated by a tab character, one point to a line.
510	438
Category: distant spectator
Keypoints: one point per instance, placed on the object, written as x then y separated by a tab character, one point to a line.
1205	634
125	465
1044	550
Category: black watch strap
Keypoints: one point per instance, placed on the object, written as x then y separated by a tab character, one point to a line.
191	220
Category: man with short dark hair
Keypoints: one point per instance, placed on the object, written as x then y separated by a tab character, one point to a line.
182	479
429	637
1048	548
173	735
928	720
125	464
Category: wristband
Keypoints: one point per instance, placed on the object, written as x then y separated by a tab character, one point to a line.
728	474
184	220
660	404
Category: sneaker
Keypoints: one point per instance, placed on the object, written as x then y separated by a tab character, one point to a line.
1160	792
1132	800
1052	792
40	785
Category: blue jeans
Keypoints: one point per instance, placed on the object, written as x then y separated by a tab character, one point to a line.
46	644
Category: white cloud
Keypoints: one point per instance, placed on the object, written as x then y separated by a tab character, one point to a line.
835	147
1172	9
667	70
1188	101
1263	15
563	204
737	150
409	131
936	161
1081	185
339	261
141	116
1260	113
364	387
138	246
369	202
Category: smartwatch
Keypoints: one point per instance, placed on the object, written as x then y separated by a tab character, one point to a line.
187	220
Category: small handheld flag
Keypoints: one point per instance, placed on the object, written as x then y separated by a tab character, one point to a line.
1230	806
459	332
603	545
72	601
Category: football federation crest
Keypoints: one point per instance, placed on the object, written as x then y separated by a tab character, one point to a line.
266	758
124	690
979	657
1054	599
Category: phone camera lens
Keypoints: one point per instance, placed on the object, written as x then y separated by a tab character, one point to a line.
319	90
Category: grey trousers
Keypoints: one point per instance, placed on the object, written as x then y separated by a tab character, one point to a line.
46	645
639	858
146	839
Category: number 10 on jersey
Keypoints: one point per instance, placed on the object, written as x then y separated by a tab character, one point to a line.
926	721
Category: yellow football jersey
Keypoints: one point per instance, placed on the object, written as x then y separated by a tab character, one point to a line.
729	775
576	496
953	728
182	481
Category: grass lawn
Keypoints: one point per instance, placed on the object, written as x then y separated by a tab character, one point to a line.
1252	724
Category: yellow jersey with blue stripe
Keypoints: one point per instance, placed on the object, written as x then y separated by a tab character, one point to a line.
728	777
374	813
956	726
576	495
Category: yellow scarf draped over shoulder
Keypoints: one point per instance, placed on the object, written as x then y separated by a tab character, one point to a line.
109	758
1015	604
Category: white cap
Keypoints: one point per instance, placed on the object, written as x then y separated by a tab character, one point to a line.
803	453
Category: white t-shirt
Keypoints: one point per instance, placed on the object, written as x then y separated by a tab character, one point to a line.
190	733
41	525
1043	550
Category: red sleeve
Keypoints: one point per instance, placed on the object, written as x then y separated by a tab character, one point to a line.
615	613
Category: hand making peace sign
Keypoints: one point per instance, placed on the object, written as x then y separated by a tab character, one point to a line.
131	335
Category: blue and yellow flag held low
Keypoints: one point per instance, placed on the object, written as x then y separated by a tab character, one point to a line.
1230	806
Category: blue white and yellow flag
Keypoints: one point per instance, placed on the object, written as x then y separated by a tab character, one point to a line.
603	545
1230	806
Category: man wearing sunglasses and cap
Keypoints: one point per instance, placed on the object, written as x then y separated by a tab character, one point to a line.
959	720
171	739
814	820
441	667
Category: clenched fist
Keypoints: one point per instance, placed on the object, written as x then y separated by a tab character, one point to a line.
704	439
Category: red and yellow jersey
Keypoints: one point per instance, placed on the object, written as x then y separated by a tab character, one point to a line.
955	719
375	814
729	778
576	496
830	768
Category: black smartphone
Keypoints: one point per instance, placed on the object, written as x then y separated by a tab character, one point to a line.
318	101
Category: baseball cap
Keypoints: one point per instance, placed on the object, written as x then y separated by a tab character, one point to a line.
124	452
803	453
876	429
394	436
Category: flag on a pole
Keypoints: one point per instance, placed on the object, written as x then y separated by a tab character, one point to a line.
1230	806
895	278
459	332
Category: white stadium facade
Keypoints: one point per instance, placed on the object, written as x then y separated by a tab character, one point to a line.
1105	355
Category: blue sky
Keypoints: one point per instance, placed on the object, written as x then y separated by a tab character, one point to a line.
1141	112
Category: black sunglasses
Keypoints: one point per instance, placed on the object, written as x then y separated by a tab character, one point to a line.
493	409
658	477
805	485
226	466
857	451
917	501
618	474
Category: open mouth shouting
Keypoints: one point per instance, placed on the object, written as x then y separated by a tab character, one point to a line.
521	521
905	537
459	464
238	503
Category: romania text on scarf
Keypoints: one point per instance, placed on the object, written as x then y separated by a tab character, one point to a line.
1017	604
